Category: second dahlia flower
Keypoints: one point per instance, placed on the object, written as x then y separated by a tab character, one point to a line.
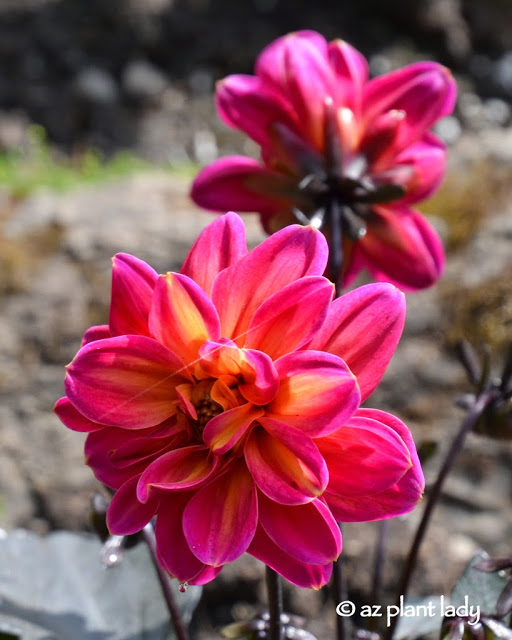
348	154
224	400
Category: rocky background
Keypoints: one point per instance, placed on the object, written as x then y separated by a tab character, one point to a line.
139	75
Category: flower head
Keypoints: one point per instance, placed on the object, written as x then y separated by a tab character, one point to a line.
224	400
332	138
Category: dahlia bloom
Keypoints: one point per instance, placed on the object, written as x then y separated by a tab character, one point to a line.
348	154
224	400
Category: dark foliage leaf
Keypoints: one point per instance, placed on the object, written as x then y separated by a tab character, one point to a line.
477	588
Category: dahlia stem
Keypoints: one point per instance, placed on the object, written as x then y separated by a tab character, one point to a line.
179	626
380	548
335	243
275	604
339	588
479	404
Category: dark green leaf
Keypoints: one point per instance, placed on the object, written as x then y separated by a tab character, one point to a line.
428	618
476	588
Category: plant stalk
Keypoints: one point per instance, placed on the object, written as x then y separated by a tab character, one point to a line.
179	627
275	604
474	413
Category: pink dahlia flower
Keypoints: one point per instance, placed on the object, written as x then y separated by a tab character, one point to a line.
348	154
224	400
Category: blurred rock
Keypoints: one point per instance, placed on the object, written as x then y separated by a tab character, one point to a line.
95	86
143	83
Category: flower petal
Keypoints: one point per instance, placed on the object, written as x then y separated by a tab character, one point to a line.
72	418
174	553
396	500
307	532
223	431
219	245
363	328
220	520
97	332
288	255
256	376
101	448
317	392
401	247
252	105
308	576
133	282
127	381
177	470
351	71
237	182
285	463
182	316
426	91
297	66
126	515
427	157
286	320
364	457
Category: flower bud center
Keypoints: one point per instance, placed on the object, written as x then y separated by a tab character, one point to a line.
206	408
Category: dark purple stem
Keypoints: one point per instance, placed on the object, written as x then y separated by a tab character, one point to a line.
174	612
379	561
275	604
340	595
474	413
334	221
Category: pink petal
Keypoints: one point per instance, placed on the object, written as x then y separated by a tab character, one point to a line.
296	65
174	553
98	332
182	316
184	468
72	418
271	63
426	91
307	532
427	157
252	105
126	515
219	245
351	71
401	247
206	575
308	576
363	328
364	457
259	381
133	282
225	430
288	255
101	448
241	183
287	320
317	392
285	464
220	520
148	446
127	381
255	372
398	499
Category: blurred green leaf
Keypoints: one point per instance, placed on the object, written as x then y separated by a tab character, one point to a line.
55	588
